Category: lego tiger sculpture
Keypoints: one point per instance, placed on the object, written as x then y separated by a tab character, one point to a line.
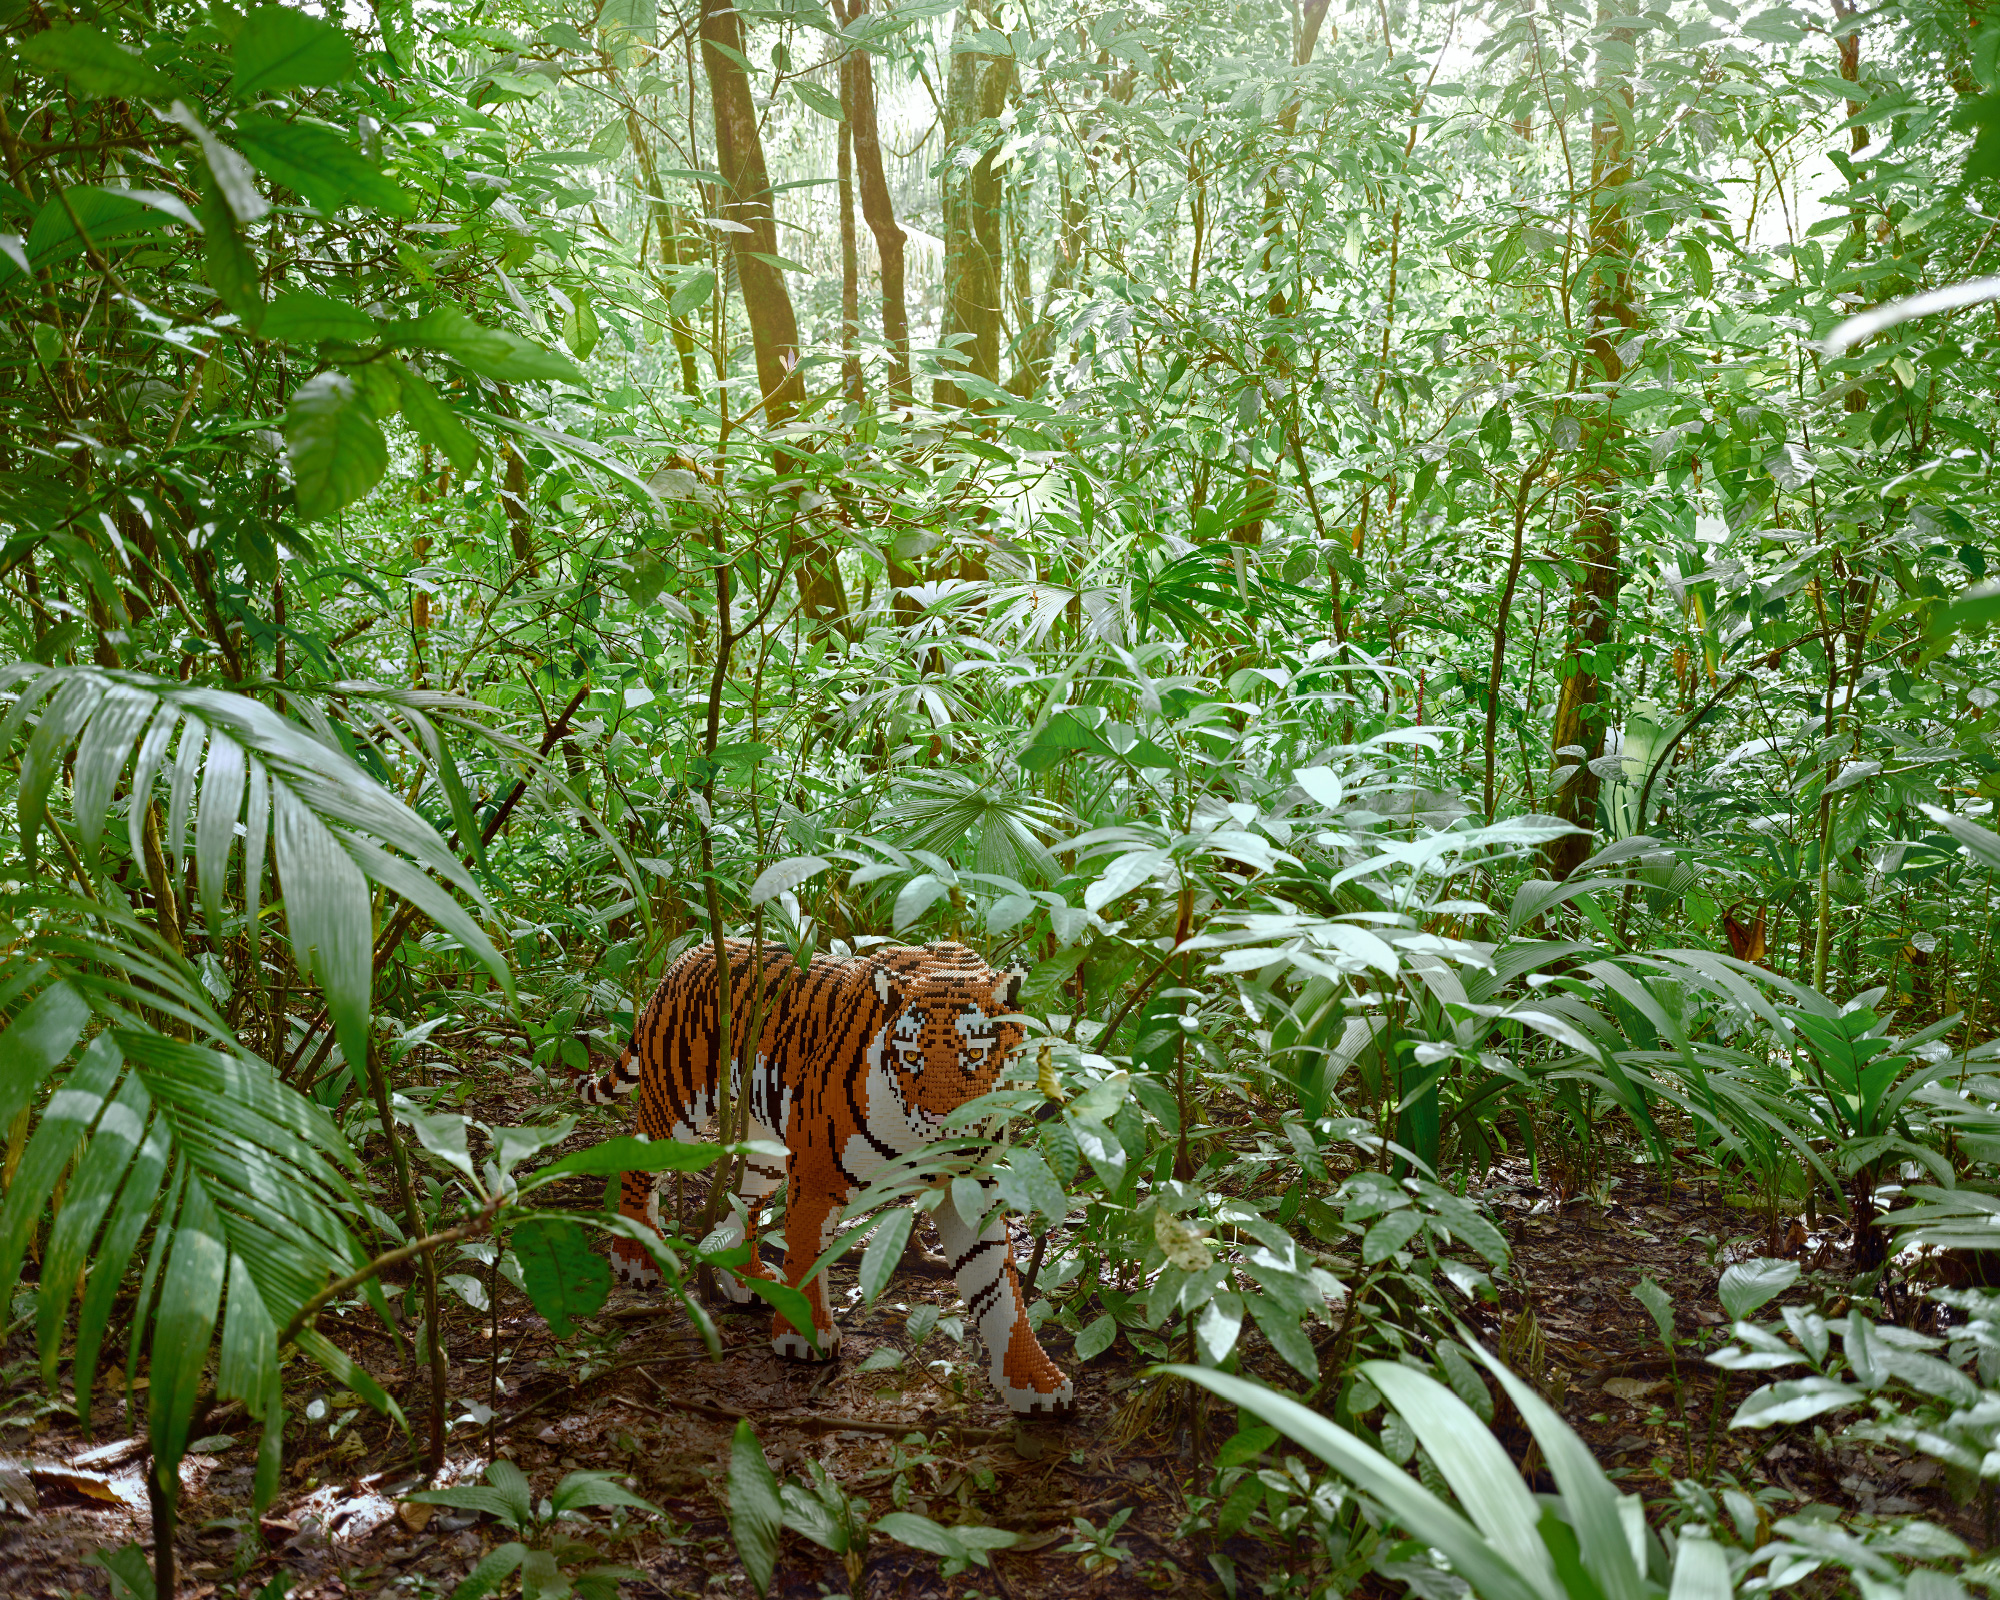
861	1059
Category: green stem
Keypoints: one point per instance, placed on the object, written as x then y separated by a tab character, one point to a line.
413	1220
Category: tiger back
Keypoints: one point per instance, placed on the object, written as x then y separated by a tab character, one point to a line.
860	1060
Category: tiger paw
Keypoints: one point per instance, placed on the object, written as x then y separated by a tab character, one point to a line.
1056	1399
788	1342
630	1264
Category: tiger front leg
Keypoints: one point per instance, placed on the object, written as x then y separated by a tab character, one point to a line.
638	1199
809	1213
1021	1370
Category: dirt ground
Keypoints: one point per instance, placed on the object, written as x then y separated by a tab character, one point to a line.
635	1393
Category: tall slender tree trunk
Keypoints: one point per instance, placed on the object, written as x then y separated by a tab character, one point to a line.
850	273
767	303
677	246
1311	22
1261	496
1580	714
857	103
974	254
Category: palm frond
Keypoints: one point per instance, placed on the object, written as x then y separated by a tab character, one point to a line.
331	827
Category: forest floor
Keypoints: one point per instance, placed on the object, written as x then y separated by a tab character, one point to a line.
635	1393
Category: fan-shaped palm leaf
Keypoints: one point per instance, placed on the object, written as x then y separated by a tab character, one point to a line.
1007	828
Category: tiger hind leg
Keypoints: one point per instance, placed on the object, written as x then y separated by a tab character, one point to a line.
1027	1379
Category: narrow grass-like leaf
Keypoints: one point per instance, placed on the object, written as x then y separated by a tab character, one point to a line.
1472	1557
134	1207
92	1186
184	1327
100	758
71	1111
215	827
326	908
1590	1496
45	1031
1487	1483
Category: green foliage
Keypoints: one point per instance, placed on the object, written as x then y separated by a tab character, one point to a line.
566	1278
383	385
549	1561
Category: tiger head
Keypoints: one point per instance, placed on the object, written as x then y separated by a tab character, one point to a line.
944	1042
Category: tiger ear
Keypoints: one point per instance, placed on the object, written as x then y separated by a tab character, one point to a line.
886	990
1007	992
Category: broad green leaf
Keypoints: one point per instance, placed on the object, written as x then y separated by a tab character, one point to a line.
1389	1235
580	328
915	898
1028	1185
623	21
1700	266
1244	1447
1096	1338
781	877
565	1276
109	216
494	1568
231	265
807	1516
1795	1400
756	1515
336	448
490	352
580	1489
320	165
279	47
439	427
302	316
885	1249
692	293
920	1533
826	103
1746	1285
1219	1325
130	1573
97	66
1659	1306
628	1153
789	1303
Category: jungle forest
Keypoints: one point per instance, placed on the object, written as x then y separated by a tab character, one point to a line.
1281	713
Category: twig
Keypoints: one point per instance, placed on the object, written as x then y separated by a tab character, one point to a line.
303	1317
406	913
